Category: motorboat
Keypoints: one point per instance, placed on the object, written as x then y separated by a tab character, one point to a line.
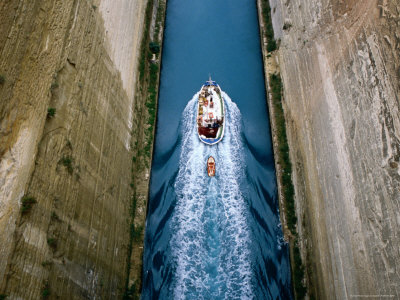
210	113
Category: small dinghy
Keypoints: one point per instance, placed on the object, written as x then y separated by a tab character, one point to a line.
211	166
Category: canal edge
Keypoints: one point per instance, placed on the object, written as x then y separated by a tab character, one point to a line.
143	136
271	68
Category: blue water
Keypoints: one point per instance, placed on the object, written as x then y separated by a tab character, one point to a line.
219	237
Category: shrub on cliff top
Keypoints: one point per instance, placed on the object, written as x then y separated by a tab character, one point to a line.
27	203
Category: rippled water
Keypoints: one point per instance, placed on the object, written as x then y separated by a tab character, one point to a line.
218	237
211	239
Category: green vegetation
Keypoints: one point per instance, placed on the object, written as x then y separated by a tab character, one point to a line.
147	68
54	216
54	85
51	112
136	232
144	50
159	18
27	203
46	263
151	107
286	26
298	272
287	184
52	242
3	296
130	293
272	46
283	151
46	290
154	47
2	81
148	88
269	30
67	162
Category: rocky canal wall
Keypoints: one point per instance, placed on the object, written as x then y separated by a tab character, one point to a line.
67	118
339	64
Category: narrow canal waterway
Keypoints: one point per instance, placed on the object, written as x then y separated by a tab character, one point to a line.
220	237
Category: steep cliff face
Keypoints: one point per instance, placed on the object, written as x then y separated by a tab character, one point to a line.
78	57
340	67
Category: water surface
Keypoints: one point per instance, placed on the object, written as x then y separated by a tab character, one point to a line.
213	238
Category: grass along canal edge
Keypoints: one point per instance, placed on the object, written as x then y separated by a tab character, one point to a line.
142	144
283	165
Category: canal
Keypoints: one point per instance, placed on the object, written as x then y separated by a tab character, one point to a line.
218	237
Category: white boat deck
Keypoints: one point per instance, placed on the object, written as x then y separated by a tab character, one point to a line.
210	117
215	112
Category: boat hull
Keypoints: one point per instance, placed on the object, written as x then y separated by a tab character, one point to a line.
210	114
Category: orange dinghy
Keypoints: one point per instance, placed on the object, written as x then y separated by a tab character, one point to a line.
211	166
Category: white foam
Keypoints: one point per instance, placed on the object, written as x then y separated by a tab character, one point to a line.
211	236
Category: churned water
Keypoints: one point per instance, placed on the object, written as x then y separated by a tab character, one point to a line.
210	245
218	237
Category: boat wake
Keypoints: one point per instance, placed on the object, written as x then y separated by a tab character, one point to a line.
210	242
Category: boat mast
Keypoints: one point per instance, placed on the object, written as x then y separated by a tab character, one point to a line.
209	79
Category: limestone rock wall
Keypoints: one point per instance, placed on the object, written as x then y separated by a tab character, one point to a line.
340	67
75	57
